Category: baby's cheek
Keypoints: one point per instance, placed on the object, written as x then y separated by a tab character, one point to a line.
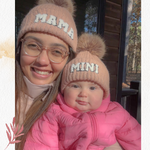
67	93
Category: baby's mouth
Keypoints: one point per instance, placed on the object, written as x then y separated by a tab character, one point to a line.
82	102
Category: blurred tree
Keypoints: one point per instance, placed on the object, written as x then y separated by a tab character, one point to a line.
134	51
90	23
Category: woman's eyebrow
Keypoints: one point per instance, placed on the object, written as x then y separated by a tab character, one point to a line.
57	44
35	38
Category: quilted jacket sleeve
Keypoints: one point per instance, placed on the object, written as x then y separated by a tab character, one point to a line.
129	134
44	133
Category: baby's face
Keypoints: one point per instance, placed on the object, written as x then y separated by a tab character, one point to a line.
83	96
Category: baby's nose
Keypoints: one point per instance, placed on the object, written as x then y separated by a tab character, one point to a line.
83	93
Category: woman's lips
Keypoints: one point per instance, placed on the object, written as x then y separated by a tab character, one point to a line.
42	74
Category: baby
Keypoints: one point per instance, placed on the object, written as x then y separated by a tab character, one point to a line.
84	117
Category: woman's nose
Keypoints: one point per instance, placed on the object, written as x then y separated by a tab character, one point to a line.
43	59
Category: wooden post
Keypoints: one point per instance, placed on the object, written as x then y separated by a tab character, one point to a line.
136	100
122	49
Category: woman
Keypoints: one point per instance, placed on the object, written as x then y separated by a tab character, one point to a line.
47	40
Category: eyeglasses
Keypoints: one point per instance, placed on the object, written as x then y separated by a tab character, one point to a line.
33	48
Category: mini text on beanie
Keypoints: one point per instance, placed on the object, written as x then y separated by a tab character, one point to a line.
85	66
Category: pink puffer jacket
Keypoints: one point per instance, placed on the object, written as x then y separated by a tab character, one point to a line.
63	128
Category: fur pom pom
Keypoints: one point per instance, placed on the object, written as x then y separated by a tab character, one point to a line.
68	4
92	43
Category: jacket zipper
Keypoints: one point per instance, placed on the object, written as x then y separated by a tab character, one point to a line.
94	127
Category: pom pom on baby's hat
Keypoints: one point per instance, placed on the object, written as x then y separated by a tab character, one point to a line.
68	4
91	43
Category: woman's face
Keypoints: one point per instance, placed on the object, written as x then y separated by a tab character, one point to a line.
40	70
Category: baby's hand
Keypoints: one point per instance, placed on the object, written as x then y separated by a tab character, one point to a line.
75	131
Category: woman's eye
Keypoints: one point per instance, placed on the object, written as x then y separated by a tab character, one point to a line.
32	45
92	88
57	52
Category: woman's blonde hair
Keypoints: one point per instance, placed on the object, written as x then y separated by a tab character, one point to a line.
38	107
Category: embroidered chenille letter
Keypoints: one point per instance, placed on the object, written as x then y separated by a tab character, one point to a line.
41	17
52	20
91	66
82	66
71	33
63	24
73	67
96	70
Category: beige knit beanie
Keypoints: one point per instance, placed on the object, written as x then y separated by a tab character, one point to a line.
54	17
87	66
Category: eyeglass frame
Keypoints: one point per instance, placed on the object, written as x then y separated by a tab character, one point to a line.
44	48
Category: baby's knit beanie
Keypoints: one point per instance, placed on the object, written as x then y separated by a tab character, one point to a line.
54	17
87	66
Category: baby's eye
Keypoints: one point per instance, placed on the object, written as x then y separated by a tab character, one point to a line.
92	88
74	86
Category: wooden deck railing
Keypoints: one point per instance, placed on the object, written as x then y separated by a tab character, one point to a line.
131	99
